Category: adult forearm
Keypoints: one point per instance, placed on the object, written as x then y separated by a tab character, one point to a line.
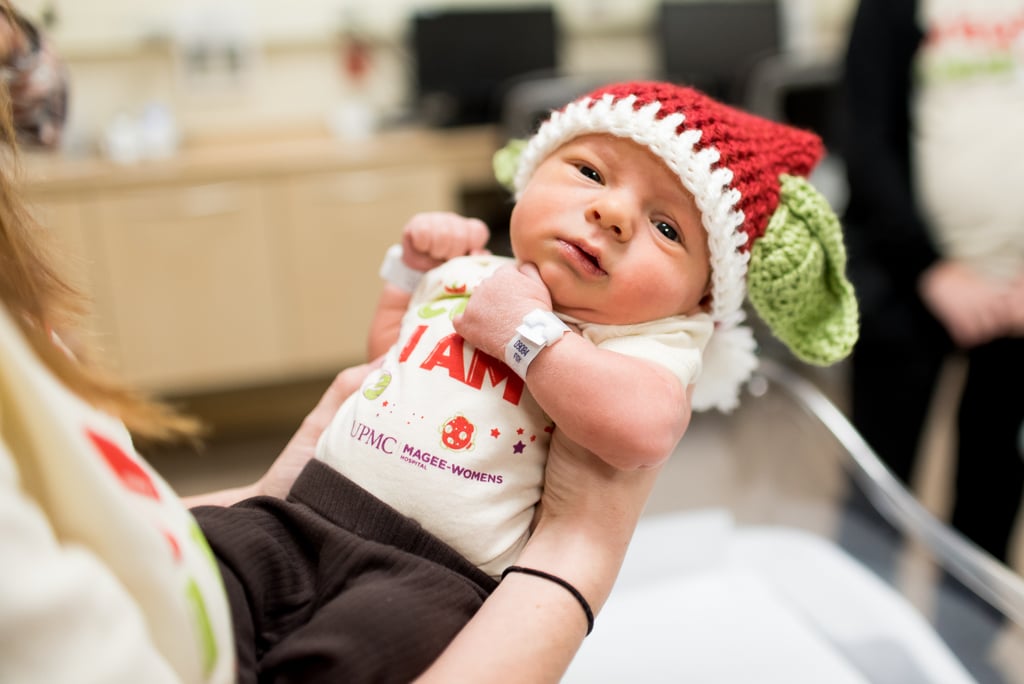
530	628
527	631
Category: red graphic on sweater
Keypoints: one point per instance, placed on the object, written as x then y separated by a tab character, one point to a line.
457	433
131	474
175	546
1001	33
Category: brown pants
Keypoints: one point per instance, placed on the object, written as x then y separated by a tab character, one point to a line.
333	585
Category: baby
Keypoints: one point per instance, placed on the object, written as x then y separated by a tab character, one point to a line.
644	212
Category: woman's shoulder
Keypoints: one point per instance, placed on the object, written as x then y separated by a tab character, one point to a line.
77	487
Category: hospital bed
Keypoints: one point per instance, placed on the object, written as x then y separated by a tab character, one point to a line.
777	548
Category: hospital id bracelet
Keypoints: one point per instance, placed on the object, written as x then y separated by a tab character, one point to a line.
393	270
539	329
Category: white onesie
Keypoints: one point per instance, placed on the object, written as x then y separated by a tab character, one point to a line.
450	436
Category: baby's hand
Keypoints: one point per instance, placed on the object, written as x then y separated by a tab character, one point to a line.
498	305
431	238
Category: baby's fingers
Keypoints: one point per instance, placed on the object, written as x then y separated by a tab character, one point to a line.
476	235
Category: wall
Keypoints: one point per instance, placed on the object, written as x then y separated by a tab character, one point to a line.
123	56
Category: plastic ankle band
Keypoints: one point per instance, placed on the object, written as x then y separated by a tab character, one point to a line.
560	582
539	329
393	270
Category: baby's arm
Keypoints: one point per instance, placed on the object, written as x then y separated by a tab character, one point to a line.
628	411
428	240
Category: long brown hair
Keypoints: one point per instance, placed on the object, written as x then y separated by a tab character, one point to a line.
42	301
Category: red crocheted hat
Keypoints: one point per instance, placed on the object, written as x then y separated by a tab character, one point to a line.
747	175
730	160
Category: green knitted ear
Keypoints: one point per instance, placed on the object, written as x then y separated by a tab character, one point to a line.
506	161
796	278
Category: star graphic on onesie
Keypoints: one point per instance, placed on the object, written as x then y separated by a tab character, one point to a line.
518	447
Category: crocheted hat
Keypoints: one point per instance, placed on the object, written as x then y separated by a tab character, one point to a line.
770	233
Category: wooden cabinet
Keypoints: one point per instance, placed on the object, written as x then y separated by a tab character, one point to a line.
192	283
248	266
63	218
339	226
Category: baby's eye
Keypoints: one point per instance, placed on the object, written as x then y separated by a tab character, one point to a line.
667	230
590	172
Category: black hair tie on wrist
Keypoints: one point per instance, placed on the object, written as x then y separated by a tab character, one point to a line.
560	582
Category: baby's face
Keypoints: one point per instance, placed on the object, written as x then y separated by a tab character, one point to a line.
616	237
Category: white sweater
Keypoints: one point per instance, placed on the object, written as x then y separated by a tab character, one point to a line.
968	131
104	574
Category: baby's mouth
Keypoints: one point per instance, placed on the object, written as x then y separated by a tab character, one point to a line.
587	261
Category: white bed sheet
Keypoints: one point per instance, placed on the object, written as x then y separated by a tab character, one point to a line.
702	600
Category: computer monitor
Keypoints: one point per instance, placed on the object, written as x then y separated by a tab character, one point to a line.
465	59
712	45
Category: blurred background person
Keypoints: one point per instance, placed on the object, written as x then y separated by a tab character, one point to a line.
935	223
37	80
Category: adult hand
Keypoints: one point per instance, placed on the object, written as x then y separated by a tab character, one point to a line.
302	447
278	479
498	305
1016	307
972	308
431	238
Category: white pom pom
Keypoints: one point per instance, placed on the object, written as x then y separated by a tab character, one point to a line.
729	361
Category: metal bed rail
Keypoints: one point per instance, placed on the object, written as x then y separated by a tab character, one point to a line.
997	584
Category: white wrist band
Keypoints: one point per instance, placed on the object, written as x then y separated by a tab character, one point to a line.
394	270
539	329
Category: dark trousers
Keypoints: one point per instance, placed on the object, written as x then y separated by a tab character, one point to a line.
333	585
896	365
